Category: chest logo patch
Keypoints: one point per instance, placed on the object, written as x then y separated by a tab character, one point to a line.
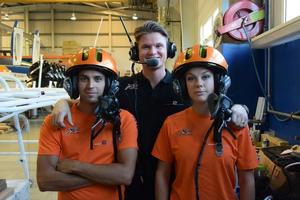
101	143
184	132
133	86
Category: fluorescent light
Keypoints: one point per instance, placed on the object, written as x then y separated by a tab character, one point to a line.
6	17
73	17
134	16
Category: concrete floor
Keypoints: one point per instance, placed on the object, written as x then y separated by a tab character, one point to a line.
10	166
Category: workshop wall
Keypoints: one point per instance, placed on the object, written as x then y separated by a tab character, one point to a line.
284	86
285	89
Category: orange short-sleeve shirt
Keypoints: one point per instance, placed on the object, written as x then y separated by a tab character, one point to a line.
73	142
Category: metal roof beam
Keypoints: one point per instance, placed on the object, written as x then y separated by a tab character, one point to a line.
62	1
85	9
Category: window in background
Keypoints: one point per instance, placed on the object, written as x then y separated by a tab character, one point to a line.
292	9
206	30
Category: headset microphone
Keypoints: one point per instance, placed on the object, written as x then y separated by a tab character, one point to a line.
152	62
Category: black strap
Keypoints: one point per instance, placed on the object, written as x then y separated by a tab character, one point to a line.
219	124
116	137
198	164
93	134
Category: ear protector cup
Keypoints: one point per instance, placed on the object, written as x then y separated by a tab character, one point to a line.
70	85
134	51
114	87
171	49
222	83
111	87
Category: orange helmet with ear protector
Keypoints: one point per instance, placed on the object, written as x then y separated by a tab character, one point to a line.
200	56
93	58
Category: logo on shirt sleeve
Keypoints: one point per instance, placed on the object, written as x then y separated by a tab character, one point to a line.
184	132
72	130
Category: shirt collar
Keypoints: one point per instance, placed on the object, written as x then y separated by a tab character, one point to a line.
167	78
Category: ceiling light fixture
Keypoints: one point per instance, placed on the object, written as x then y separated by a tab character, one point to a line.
134	16
6	17
73	17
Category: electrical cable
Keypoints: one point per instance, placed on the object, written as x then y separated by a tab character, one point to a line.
277	117
198	164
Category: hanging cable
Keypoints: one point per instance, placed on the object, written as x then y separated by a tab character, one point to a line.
277	116
198	164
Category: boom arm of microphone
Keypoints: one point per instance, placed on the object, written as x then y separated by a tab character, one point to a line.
150	62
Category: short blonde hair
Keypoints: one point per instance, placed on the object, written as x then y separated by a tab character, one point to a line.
149	27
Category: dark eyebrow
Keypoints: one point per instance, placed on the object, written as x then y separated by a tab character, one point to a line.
145	45
206	70
189	73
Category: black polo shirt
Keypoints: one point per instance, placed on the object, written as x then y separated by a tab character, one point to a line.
149	105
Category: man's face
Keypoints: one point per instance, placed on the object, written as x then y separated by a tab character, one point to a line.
153	45
91	85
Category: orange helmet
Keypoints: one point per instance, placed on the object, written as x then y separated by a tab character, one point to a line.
200	56
93	58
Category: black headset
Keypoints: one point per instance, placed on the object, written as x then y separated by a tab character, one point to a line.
134	51
71	85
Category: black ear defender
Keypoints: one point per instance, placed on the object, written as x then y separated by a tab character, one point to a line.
171	49
111	86
134	52
225	82
108	103
114	88
219	99
70	85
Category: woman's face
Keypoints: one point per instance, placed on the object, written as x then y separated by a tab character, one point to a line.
200	84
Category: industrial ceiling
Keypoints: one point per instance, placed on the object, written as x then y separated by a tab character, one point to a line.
144	9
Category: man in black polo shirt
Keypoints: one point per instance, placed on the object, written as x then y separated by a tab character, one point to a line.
149	96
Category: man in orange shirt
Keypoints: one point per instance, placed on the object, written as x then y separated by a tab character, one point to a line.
205	155
93	158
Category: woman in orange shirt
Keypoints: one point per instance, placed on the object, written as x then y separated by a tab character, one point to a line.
205	152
